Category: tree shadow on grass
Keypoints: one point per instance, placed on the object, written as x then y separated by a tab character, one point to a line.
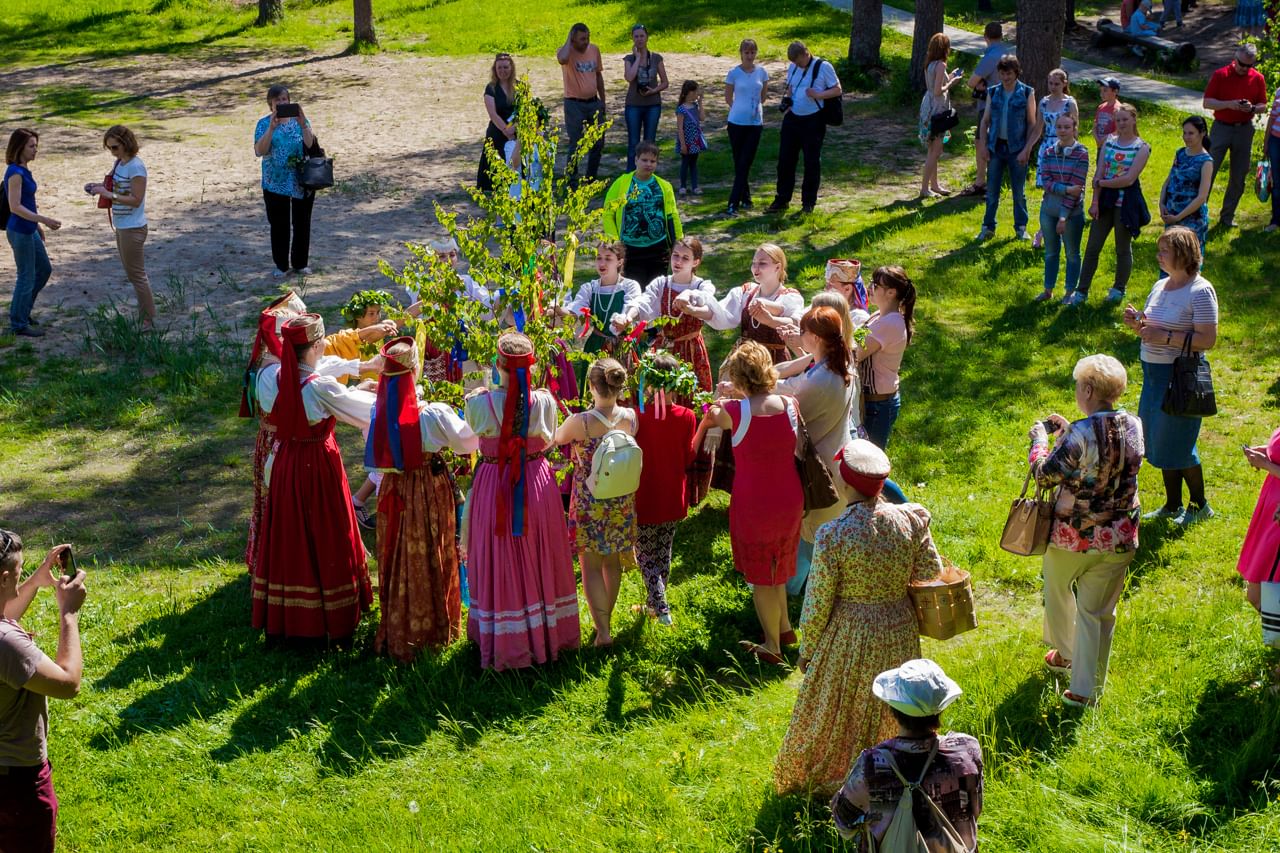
1033	719
796	822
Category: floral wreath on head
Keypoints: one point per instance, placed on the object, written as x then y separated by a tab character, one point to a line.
360	302
679	380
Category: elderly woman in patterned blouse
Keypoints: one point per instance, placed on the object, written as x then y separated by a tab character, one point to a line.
1095	523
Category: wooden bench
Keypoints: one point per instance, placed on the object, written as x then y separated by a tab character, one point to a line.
1160	51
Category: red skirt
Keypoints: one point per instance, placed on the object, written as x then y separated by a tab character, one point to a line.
261	450
418	587
311	579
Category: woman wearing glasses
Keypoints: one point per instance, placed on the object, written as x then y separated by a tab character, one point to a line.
128	217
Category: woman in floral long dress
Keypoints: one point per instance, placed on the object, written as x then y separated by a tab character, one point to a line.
857	622
601	530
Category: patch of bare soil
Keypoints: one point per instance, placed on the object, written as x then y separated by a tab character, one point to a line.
1210	26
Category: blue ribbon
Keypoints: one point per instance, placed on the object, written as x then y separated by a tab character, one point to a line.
517	516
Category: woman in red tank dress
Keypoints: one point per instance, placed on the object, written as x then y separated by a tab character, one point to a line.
767	504
311	581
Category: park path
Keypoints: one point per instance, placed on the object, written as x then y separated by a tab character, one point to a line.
1132	85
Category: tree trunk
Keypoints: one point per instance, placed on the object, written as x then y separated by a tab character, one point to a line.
929	22
865	34
1071	16
1040	26
364	33
985	6
269	11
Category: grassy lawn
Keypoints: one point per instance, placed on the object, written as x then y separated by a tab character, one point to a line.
188	735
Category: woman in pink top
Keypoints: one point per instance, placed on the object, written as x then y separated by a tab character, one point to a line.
1260	554
879	356
767	505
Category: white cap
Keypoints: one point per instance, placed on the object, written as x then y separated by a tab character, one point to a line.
918	688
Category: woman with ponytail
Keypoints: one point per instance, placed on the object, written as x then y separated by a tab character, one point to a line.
419	592
524	598
601	529
310	582
880	357
822	382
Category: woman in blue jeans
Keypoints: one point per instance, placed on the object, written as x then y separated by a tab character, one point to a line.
646	78
1064	170
24	231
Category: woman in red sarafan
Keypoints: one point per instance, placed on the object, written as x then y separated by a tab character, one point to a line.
311	581
419	593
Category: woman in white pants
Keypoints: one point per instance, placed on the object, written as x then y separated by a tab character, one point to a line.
1095	460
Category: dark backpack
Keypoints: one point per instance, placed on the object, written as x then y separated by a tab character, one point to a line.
832	108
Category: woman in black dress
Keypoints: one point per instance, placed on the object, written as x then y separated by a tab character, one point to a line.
500	102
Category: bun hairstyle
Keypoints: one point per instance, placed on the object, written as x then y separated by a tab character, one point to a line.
751	369
607	377
894	278
826	325
779	257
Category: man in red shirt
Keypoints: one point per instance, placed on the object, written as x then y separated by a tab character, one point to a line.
1236	93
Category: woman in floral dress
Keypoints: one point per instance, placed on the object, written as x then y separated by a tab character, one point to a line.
857	622
600	530
1184	199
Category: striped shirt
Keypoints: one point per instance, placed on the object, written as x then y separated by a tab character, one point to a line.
1179	310
1063	168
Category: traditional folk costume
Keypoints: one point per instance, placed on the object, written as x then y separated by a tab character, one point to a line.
734	312
311	580
266	350
596	304
683	338
524	597
419	592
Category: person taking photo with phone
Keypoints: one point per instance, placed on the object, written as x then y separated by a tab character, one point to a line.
28	677
1236	93
281	140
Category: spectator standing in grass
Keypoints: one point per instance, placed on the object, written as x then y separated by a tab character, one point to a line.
1182	307
1172	11
640	211
281	142
985	78
810	83
1095	523
1250	17
690	114
1052	105
1236	93
1273	155
1063	173
25	232
1116	205
646	77
746	88
28	677
879	357
1257	564
1104	118
1011	126
937	99
1184	198
948	769
500	104
128	216
583	73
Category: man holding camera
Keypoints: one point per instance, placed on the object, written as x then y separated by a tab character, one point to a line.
1236	93
28	804
810	83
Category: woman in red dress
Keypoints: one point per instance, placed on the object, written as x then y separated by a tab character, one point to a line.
767	503
419	592
311	581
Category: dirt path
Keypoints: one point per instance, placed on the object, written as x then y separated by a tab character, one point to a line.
401	141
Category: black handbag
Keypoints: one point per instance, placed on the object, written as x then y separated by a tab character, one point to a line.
940	123
1190	392
316	171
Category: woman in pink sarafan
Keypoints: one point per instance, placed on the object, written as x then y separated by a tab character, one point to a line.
524	598
1260	554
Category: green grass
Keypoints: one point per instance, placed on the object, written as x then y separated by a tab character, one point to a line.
188	734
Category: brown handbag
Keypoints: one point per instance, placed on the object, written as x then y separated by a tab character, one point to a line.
815	480
1026	532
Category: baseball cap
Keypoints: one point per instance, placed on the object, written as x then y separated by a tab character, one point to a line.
1110	83
918	688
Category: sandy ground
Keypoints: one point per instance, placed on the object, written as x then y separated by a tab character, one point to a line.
401	137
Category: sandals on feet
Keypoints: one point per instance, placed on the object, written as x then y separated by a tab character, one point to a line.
1057	663
1075	700
762	653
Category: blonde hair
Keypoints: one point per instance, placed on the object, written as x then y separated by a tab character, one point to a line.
607	377
751	369
1066	79
1131	110
779	257
836	300
1184	247
1107	376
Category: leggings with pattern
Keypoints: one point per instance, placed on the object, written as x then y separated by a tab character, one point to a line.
653	553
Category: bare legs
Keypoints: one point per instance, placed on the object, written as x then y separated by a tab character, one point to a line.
929	185
601	579
771	609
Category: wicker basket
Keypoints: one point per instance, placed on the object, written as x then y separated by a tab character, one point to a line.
945	609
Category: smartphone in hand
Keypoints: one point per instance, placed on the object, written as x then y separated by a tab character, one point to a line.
288	110
68	561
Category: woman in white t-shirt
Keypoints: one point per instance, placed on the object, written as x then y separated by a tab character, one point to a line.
745	90
1182	307
880	354
127	195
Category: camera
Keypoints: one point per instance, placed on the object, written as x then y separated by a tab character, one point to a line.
1049	426
785	104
